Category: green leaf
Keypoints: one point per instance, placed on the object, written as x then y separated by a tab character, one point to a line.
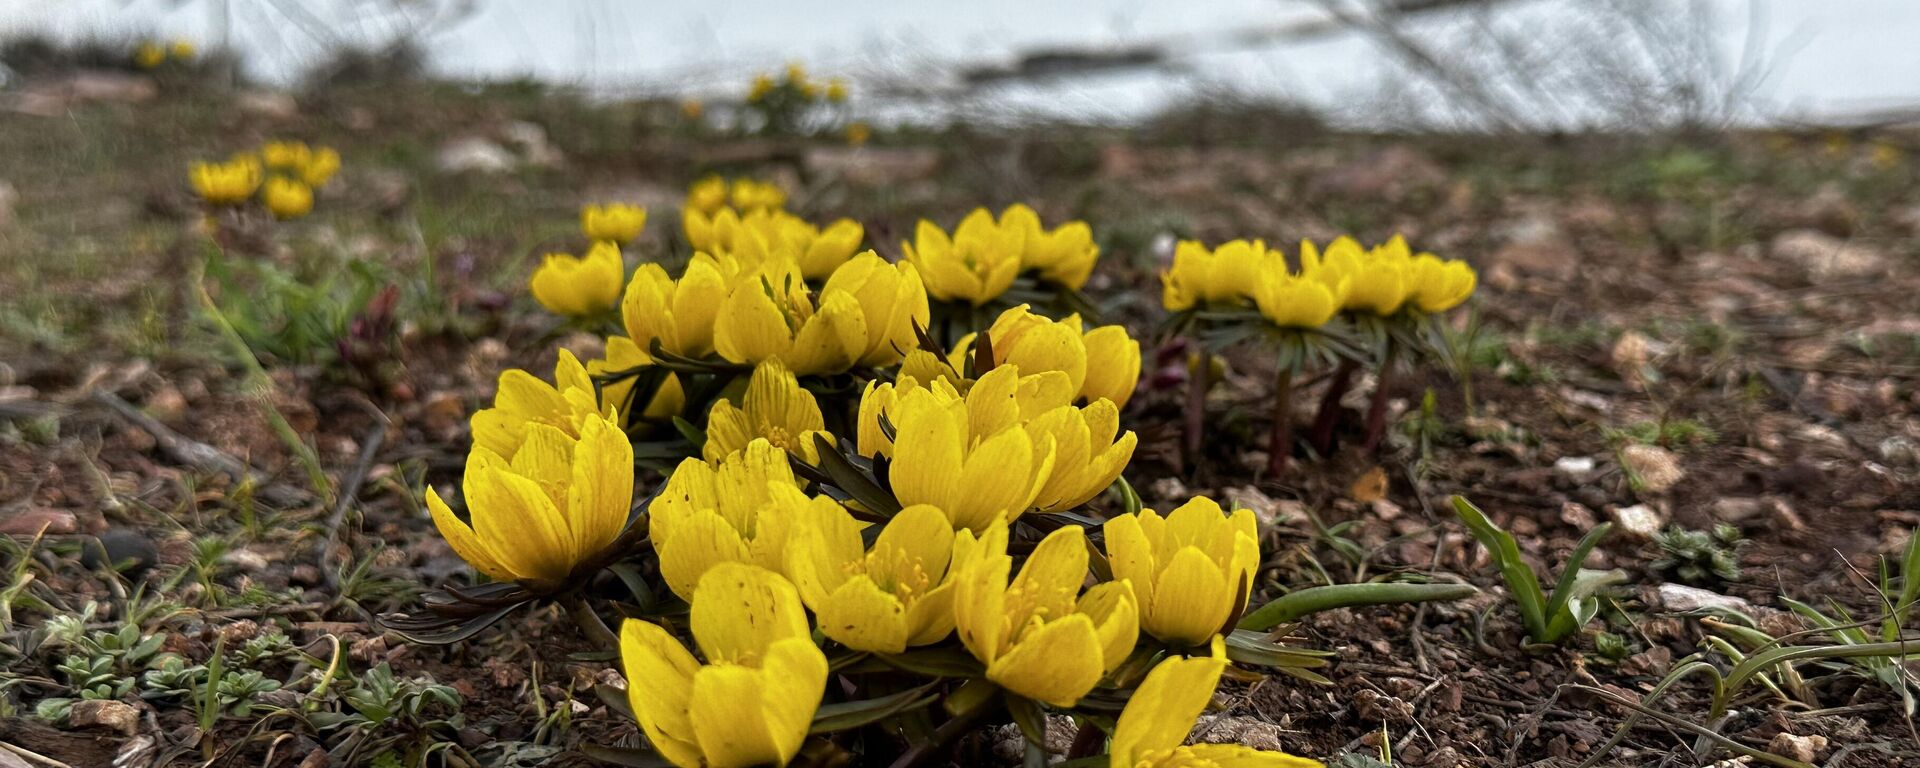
1513	569
1027	715
630	758
1305	602
848	715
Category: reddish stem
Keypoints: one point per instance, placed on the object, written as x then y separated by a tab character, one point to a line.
1377	406
1280	442
1199	375
1328	416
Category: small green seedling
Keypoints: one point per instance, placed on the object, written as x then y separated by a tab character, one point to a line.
1549	618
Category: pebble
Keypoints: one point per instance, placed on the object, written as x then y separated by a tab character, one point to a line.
1682	598
112	715
1638	521
1657	469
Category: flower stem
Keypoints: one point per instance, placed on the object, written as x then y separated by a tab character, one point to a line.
949	732
1329	413
590	623
1087	742
1377	407
1199	375
1280	440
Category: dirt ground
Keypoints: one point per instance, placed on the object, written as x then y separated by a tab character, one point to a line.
1671	331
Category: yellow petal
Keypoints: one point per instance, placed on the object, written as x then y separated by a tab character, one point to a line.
601	494
739	610
461	538
1241	756
917	539
1113	365
730	719
1056	663
1162	710
700	540
865	617
930	618
750	326
821	546
1116	618
831	340
1131	553
990	485
660	675
519	525
1050	579
1191	599
728	430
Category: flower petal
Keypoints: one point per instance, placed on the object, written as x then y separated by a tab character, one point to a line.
660	674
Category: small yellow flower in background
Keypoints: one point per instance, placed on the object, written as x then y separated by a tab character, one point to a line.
229	183
619	223
886	599
1152	730
968	456
754	700
623	355
1377	279
770	315
747	195
810	90
286	155
1191	570
837	89
707	195
149	55
767	234
1298	301
1086	456
286	198
1226	274
975	265
1887	156
1064	256
1440	285
1039	637
1113	365
692	109
775	408
321	165
739	511
762	85
796	73
580	286
559	501
522	401
183	50
858	133
677	313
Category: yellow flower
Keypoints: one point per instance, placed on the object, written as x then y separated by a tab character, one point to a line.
1224	275
619	223
739	511
754	700
707	195
286	155
968	456
1152	730
149	55
748	195
557	502
183	50
767	234
771	315
1376	279
1034	343
229	183
891	298
1086	457
858	133
883	600
1886	156
1039	637
692	109
1298	301
1191	570
320	167
521	401
1440	285
762	85
622	355
286	198
1113	365
837	89
796	73
975	265
775	408
1064	256
677	313
579	286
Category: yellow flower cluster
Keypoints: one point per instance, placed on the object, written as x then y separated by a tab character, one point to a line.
151	54
712	193
588	286
980	260
952	536
283	173
1379	281
794	82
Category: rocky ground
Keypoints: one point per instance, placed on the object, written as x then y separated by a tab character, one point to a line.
1673	333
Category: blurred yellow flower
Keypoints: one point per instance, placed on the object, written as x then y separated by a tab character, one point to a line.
1298	301
762	86
619	223
1376	279
886	599
738	511
1064	256
837	89
975	265
766	234
677	313
580	286
796	73
1191	571
321	164
1226	274
754	700
1886	156
692	109
1039	637
286	155
1113	365
149	55
774	408
747	195
183	50
969	455
770	315
1153	728
229	183
1440	285
286	198
707	195
558	502
521	401
623	355
858	133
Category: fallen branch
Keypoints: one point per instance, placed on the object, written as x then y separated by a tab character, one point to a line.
198	455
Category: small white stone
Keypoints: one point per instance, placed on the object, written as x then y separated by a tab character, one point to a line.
1682	598
1576	467
1638	521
